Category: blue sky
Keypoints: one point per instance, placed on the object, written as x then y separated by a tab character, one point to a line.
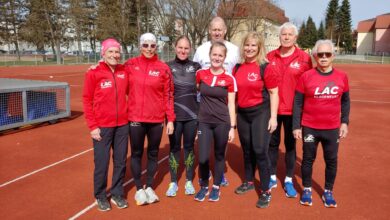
299	10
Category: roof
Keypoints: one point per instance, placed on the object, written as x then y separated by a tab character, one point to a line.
380	22
247	8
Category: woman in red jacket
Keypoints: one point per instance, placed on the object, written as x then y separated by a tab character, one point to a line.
257	100
105	110
150	101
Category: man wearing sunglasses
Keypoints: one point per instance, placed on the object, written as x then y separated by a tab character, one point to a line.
321	114
289	62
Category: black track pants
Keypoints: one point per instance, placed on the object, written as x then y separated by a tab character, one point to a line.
153	133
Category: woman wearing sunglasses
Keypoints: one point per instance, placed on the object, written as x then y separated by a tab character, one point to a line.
256	114
321	115
217	119
150	101
186	111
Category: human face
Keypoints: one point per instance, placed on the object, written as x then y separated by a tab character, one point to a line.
251	50
217	57
112	56
217	31
148	49
323	61
287	37
182	49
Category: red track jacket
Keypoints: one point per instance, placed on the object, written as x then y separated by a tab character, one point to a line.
288	75
104	96
150	96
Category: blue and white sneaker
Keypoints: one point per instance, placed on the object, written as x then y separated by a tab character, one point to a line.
224	181
189	188
306	198
329	200
272	183
172	189
214	194
290	190
201	195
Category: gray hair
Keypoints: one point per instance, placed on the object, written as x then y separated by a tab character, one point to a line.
321	42
288	25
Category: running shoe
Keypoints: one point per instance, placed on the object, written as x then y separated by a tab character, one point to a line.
244	188
214	194
329	200
224	181
140	197
272	183
264	200
172	189
119	201
201	195
103	204
306	198
189	188
290	190
151	195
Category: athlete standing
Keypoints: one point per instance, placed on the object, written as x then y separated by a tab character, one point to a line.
150	101
321	115
257	100
217	119
186	111
289	62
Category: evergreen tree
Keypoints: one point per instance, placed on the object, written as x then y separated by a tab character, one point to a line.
302	38
321	31
311	32
331	19
344	26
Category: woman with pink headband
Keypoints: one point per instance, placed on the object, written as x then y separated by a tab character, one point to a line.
105	108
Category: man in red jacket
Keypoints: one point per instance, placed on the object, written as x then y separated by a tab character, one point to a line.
105	110
289	62
150	101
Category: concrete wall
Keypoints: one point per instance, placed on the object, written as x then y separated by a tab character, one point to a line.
382	39
365	43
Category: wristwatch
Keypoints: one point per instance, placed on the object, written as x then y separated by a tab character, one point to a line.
233	126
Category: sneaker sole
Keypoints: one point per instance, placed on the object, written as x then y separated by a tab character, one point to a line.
262	206
201	200
215	200
172	195
102	210
291	196
119	207
189	193
306	203
141	204
328	206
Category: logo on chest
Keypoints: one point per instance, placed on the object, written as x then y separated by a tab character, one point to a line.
190	69
253	77
329	91
154	73
295	65
120	76
221	82
106	84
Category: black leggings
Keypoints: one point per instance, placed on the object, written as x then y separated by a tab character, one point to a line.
330	144
252	124
187	130
207	132
137	132
289	143
117	137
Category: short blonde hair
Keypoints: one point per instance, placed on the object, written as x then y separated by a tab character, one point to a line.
260	58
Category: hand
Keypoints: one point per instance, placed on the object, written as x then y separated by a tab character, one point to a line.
297	133
231	135
272	124
170	128
343	130
95	134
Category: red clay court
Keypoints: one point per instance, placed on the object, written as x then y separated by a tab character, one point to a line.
46	171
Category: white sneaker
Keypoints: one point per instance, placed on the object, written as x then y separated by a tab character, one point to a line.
151	195
140	197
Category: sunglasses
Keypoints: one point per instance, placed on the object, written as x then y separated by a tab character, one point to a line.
149	45
326	54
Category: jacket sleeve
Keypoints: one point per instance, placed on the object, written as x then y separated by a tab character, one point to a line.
88	100
297	110
168	96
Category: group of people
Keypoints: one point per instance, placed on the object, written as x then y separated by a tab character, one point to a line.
224	88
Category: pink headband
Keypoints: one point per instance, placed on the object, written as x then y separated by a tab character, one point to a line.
110	42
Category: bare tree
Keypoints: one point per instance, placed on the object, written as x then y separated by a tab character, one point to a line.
231	11
164	15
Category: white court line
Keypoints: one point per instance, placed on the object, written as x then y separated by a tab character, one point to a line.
124	184
369	101
44	168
